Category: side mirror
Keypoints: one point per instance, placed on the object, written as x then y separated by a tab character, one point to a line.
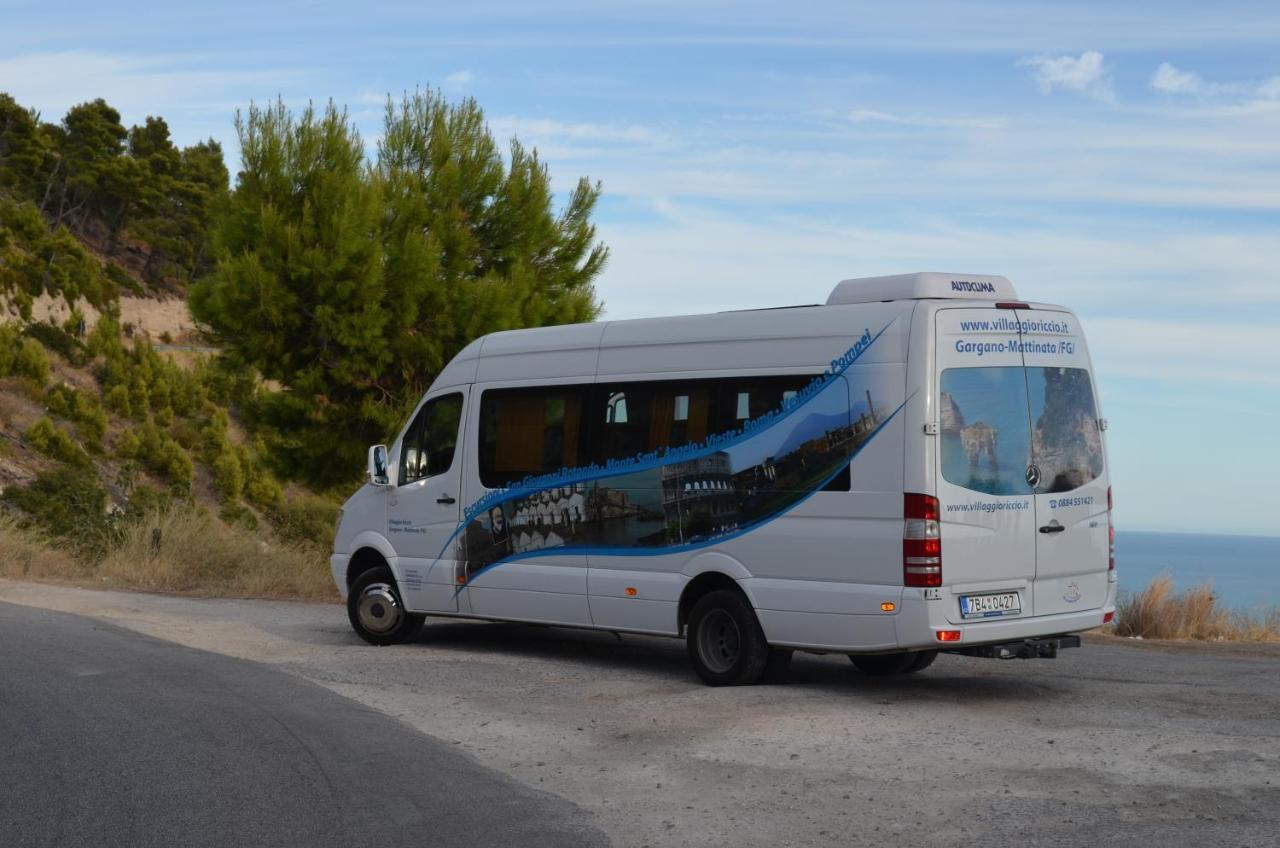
377	470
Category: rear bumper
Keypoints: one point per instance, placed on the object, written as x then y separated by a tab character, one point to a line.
1024	649
919	621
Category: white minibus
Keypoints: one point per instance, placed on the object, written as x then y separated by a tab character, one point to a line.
916	466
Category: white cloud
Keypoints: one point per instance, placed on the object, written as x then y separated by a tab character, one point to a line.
1173	158
459	79
540	130
874	116
196	95
1270	89
1170	80
1085	74
1181	351
1258	96
694	259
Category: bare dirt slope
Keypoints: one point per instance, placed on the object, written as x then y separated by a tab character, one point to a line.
1108	745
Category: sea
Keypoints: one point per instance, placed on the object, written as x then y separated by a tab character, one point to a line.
1244	570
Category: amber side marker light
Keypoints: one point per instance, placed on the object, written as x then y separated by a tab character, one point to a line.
888	606
631	591
948	635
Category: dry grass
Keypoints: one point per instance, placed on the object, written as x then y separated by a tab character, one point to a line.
1158	612
186	551
27	555
178	550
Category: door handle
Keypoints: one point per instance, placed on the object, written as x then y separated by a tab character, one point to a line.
446	499
1052	528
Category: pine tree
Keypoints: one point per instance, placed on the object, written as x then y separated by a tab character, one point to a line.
297	290
352	285
25	149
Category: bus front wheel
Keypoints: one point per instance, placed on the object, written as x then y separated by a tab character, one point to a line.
377	612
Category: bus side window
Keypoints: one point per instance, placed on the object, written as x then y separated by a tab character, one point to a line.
529	431
637	418
743	399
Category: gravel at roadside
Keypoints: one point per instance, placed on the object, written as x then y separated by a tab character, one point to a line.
1111	744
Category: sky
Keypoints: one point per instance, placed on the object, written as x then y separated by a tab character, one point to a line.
1120	158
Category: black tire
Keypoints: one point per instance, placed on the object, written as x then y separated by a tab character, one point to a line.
777	669
377	613
924	659
883	665
726	645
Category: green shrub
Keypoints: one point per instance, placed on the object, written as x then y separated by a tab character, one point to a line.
262	489
9	336
222	381
60	341
144	500
117	399
82	408
139	398
31	361
159	395
187	434
61	401
306	518
45	437
158	453
68	504
213	436
152	383
104	339
237	514
122	280
228	476
128	445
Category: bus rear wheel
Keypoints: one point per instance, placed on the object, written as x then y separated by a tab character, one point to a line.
726	645
883	665
377	612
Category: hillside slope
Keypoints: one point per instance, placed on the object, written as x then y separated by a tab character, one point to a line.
121	447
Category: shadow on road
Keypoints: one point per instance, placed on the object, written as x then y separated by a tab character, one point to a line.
664	658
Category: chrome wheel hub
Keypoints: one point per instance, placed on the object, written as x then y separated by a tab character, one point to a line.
379	609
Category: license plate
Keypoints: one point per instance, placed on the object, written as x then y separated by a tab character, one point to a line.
990	606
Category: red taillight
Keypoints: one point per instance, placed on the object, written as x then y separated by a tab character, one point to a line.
1107	617
1012	305
921	541
948	635
920	506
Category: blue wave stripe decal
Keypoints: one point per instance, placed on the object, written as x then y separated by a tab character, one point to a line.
578	550
659	459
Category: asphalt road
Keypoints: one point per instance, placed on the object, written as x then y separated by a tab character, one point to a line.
1114	745
108	738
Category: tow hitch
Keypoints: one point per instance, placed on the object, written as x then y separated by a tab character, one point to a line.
1022	649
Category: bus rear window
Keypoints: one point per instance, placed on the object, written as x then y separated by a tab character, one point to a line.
1066	443
995	422
984	432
